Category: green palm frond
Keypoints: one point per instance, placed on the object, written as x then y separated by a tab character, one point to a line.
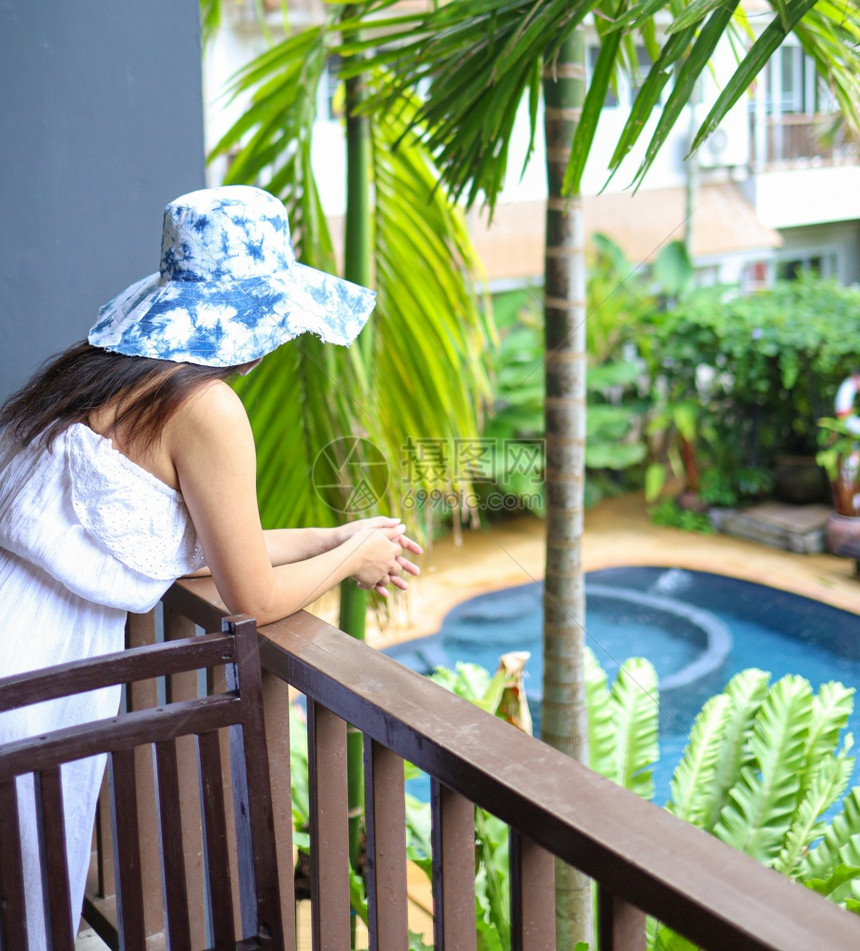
831	707
694	776
822	861
300	399
826	786
830	35
691	66
605	71
270	144
417	371
601	730
635	707
751	65
762	802
430	334
747	691
479	58
210	19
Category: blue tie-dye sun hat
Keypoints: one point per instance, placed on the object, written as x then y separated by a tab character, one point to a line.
229	289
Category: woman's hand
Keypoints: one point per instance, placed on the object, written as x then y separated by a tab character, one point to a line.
368	529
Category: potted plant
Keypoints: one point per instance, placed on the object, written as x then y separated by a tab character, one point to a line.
840	458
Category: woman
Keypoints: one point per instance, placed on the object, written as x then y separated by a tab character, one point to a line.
128	461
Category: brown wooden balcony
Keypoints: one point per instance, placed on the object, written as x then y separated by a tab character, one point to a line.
642	859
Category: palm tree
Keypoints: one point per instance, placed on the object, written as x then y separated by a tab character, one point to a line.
476	61
564	718
415	372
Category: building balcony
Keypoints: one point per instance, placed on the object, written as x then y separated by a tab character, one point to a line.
799	141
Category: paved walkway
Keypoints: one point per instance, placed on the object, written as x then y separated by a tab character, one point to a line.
617	533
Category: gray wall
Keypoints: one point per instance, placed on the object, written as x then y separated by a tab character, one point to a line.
101	124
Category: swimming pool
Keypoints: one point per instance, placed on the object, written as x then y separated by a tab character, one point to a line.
698	629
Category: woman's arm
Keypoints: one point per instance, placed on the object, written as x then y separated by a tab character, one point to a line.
288	545
210	443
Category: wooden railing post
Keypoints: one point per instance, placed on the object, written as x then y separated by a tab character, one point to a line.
620	925
532	872
453	832
385	822
185	687
276	703
140	630
329	829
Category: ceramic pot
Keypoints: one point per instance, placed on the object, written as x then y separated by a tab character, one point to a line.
799	480
842	533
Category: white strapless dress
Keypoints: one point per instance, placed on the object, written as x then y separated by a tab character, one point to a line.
86	535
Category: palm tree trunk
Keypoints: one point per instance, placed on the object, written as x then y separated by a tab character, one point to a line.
358	256
563	715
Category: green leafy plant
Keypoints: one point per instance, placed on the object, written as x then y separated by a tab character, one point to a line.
762	770
727	489
740	380
671	515
618	300
840	458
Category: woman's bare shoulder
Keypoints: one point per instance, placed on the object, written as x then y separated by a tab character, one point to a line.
214	414
215	401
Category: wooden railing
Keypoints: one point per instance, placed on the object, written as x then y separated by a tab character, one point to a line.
643	859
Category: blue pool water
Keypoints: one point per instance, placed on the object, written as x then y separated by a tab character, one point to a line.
698	630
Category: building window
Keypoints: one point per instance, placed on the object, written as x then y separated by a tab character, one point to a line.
792	85
823	264
755	276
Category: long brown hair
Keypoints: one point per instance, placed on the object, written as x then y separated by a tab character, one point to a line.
82	379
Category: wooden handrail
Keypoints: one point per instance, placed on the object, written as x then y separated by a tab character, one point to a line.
643	858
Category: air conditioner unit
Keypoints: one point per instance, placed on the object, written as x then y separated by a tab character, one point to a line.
729	143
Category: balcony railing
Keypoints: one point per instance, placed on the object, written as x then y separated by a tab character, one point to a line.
798	140
643	859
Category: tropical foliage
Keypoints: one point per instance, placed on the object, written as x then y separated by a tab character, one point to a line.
477	61
619	302
765	770
839	456
480	59
744	379
417	371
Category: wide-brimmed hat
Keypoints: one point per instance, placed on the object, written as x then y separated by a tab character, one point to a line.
229	288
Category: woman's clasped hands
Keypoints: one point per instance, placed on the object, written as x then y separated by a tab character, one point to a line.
378	545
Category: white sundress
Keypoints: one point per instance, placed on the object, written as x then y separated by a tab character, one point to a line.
86	535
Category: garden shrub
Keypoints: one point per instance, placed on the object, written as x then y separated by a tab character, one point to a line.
760	371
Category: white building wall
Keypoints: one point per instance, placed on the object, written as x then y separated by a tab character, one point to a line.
788	199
